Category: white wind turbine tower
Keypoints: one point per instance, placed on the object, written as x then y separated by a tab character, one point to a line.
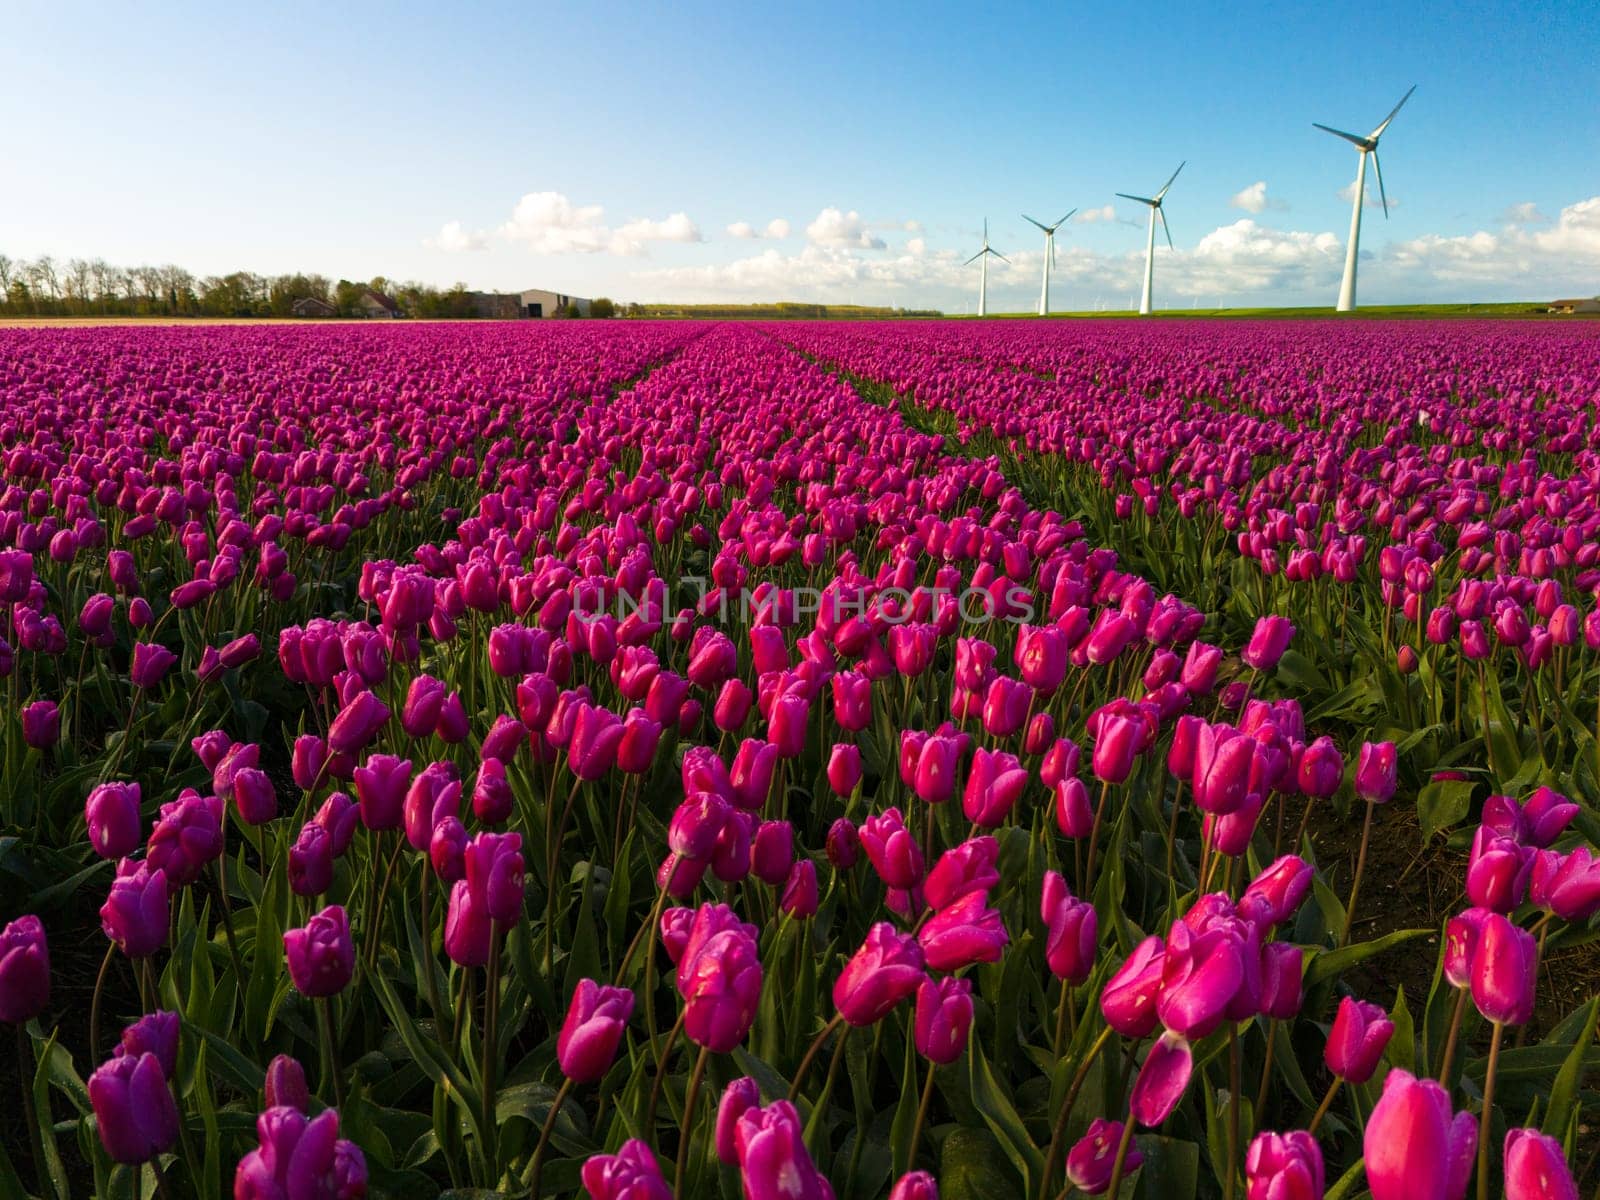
1150	242
983	271
1366	145
1049	257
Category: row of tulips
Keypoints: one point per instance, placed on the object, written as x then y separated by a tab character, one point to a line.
607	842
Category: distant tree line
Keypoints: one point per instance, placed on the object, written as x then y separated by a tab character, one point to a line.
76	287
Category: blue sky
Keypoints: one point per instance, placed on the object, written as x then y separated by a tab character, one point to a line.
608	149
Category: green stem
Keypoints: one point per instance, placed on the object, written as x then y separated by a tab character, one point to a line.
1355	884
922	1116
1488	1111
1322	1109
1231	1178
1455	1032
488	1052
811	1054
331	1062
1122	1157
1073	1089
688	1118
24	1073
544	1136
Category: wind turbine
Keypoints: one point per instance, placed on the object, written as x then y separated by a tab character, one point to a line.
1150	242
983	273
1049	257
1366	145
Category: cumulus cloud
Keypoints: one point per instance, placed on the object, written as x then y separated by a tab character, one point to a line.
777	229
453	236
1092	216
1254	199
550	223
1526	213
835	228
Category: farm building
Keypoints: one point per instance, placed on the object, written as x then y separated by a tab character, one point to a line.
496	306
376	305
536	302
313	306
1580	305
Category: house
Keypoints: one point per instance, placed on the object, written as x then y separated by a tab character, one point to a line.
313	306
377	306
535	302
1580	305
495	306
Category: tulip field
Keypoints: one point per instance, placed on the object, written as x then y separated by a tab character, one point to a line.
635	760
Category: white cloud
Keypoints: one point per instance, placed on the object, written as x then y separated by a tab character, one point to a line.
1373	200
835	228
549	223
777	229
1526	213
1091	216
1254	199
917	246
453	237
634	237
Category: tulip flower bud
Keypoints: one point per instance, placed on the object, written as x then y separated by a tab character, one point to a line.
320	954
773	1159
381	786
447	850
993	786
843	844
1277	892
1375	772
1074	816
1128	1001
1284	1166
966	932
1505	969
311	861
892	851
738	1098
799	898
286	1084
467	927
886	969
1498	871
150	664
135	913
111	814
1072	928
943	1018
24	970
1412	1147
134	1109
1320	770
772	852
495	874
41	724
596	1020
915	1185
844	769
1093	1157
1357	1040
1536	1168
1162	1080
721	990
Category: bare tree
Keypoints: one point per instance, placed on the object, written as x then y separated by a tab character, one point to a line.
5	277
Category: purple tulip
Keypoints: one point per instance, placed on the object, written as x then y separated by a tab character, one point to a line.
41	724
301	1157
381	786
1413	1149
155	1034
111	814
738	1098
133	1108
1536	1168
773	1161
1267	643
321	955
915	1185
1093	1157
892	851
966	932
629	1174
595	1022
721	990
886	969
943	1018
151	662
1357	1040
24	970
286	1084
1505	971
1283	1166
1128	1001
135	913
1375	772
1071	930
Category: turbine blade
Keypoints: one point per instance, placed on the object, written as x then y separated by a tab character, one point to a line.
1031	221
1381	193
1359	142
1064	220
1163	214
1000	256
973	259
1378	132
1140	199
1168	183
